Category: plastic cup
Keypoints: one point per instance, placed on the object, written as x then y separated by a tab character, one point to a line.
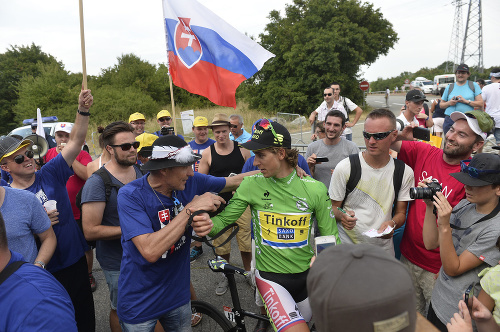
50	205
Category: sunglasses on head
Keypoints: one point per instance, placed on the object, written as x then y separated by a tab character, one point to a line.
164	119
474	172
19	159
266	125
127	146
327	94
376	136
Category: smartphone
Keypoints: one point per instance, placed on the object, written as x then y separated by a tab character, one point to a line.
323	242
468	297
422	133
321	159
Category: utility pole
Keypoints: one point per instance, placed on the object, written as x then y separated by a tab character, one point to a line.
472	50
456	38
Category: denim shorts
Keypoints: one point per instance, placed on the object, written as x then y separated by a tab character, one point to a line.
176	320
112	280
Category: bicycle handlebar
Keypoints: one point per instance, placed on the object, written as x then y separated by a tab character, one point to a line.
221	265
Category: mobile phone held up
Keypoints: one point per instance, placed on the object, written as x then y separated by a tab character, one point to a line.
321	159
323	242
421	133
468	297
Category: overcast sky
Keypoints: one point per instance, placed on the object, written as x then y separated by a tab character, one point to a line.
423	26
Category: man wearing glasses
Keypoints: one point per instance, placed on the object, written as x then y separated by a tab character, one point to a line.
464	137
138	122
370	205
164	119
99	208
461	96
68	264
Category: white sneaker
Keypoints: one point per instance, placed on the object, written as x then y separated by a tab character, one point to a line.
222	287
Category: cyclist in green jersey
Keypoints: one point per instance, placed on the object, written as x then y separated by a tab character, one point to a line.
282	205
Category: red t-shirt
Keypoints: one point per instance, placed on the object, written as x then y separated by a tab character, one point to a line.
74	183
427	162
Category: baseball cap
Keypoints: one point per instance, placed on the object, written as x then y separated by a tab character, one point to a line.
267	134
34	125
483	170
415	95
200	121
471	119
136	116
9	145
220	119
61	126
145	139
169	151
163	114
462	67
344	297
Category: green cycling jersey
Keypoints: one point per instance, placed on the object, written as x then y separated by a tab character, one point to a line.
281	214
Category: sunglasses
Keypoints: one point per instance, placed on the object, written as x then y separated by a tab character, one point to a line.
474	172
327	94
233	126
376	136
266	125
19	159
127	146
164	119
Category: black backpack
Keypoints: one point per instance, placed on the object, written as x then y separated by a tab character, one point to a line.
471	86
355	176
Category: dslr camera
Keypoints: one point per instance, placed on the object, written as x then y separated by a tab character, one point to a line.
167	131
426	193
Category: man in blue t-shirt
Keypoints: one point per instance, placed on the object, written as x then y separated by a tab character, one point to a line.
462	98
68	264
154	211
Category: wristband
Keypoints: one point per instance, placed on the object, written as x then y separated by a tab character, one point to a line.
83	113
188	211
394	223
42	264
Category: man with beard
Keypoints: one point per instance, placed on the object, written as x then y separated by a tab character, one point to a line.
464	137
333	146
99	205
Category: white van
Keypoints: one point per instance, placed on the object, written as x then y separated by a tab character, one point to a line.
425	86
442	81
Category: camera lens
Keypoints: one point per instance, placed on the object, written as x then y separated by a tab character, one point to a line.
421	193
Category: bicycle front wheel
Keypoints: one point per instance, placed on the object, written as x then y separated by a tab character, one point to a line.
211	319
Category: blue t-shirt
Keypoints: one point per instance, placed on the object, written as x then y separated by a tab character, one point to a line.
465	92
198	148
33	300
250	167
50	183
149	290
24	216
243	138
108	252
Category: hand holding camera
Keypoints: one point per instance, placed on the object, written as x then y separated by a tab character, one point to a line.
430	192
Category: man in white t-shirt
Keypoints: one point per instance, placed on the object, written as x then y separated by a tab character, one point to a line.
370	204
343	104
491	96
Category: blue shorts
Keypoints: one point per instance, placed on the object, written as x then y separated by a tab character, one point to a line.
176	320
112	281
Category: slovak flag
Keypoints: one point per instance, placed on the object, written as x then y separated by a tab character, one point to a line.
206	55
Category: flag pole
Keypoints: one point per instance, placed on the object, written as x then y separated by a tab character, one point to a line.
173	102
82	41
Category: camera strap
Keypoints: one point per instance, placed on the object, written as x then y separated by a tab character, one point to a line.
219	234
489	216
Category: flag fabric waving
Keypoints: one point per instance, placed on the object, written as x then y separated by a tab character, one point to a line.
206	55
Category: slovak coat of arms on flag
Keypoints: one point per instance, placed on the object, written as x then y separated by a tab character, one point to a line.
187	45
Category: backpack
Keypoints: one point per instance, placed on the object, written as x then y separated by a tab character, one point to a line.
471	86
355	176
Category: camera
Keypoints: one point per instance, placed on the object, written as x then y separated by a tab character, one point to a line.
426	193
167	131
454	98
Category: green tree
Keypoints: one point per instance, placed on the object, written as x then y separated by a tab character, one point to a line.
316	43
16	62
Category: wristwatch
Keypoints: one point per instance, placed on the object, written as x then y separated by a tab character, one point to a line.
42	264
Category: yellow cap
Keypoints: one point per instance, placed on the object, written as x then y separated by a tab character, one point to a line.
136	116
163	113
146	140
200	121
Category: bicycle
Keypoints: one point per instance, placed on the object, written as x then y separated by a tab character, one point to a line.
213	319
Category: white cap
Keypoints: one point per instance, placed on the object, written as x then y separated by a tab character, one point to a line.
64	126
473	124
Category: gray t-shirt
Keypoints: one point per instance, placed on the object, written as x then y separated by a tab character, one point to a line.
108	252
24	216
480	240
334	153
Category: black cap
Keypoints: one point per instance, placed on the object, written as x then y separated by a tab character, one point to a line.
415	95
481	162
168	151
263	136
462	67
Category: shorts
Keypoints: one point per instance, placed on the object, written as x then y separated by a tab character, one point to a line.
496	132
438	125
243	235
112	281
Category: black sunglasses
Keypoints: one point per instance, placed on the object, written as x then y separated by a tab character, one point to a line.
164	119
327	94
376	136
19	159
127	146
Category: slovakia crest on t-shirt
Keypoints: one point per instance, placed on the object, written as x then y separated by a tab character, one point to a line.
164	217
187	45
